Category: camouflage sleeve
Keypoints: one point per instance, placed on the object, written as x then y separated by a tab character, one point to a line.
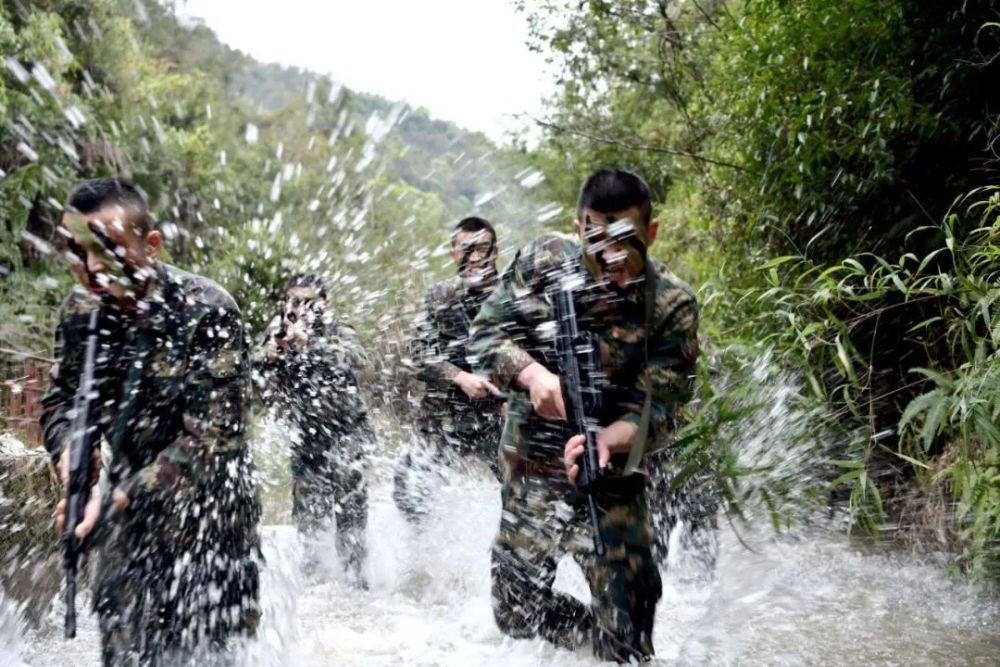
348	348
265	371
65	375
493	339
215	402
673	351
426	348
337	348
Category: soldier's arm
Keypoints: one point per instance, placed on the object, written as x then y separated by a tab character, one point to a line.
426	346
348	348
336	349
214	419
266	371
65	375
499	327
673	351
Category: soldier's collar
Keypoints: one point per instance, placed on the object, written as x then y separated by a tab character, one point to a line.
150	306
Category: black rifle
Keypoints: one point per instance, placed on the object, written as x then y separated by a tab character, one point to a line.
579	363
83	440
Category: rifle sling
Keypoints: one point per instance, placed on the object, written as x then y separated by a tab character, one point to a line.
639	441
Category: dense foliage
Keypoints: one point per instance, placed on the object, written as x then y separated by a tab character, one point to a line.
825	171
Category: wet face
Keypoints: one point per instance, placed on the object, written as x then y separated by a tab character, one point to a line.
475	255
615	243
109	254
301	302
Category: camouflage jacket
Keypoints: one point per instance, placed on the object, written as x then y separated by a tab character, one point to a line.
173	381
438	350
318	381
514	328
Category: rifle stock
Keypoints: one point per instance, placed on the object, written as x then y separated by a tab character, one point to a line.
83	438
580	371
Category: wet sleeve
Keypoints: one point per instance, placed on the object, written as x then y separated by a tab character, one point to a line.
347	349
215	393
266	373
335	351
494	339
58	400
426	346
669	374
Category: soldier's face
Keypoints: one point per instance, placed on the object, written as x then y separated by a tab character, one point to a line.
109	254
475	256
615	243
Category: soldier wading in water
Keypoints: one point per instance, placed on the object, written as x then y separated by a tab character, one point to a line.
646	322
459	412
175	525
309	366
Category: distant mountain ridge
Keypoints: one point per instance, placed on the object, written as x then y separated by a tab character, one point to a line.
462	166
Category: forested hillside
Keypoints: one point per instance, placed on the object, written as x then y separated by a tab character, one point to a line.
828	173
252	169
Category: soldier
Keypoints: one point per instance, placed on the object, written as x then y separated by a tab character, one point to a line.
646	320
309	365
175	527
459	411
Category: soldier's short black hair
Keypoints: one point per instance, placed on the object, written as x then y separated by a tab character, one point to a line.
473	224
610	190
307	280
94	194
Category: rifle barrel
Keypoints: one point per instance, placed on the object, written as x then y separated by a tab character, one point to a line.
78	488
568	344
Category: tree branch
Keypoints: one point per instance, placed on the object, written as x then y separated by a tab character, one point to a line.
635	147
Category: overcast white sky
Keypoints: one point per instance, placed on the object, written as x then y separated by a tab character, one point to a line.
464	60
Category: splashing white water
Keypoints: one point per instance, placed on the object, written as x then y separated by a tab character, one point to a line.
809	599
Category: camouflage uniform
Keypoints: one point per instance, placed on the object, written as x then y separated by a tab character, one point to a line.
447	419
543	514
177	571
317	385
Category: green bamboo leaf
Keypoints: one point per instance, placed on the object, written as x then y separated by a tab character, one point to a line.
908	459
845	478
784	259
845	359
854	465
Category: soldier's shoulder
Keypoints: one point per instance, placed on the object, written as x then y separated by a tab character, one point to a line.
338	328
78	302
200	292
549	251
671	291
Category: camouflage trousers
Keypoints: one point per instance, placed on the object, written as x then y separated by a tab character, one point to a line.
169	596
329	482
544	518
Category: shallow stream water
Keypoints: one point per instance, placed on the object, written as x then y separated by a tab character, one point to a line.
814	599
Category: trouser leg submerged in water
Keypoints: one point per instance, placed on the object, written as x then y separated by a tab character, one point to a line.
536	527
172	591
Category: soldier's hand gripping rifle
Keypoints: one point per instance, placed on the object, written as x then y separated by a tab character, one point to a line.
579	356
83	441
